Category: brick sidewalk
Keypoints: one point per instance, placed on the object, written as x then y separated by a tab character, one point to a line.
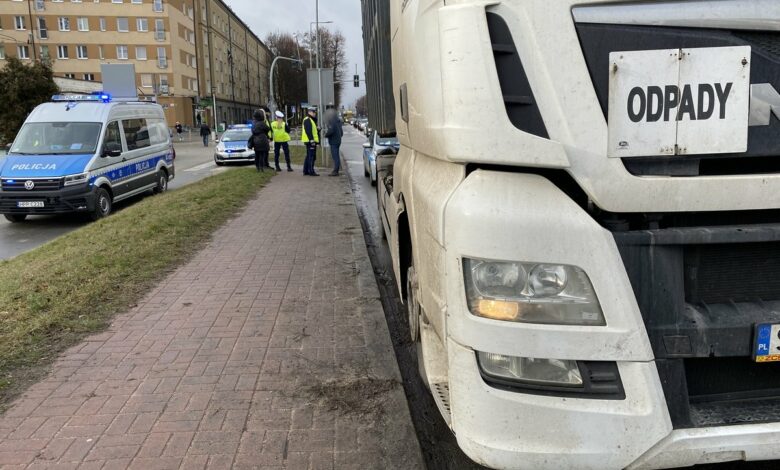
268	350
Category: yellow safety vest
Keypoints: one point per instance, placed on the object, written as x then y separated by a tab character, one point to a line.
280	132
304	137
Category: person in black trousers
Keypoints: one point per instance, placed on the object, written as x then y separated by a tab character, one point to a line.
260	130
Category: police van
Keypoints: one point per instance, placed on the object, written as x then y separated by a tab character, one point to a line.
83	153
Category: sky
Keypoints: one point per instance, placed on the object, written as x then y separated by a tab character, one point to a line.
267	16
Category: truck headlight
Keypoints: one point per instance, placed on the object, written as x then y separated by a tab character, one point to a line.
73	180
530	370
554	294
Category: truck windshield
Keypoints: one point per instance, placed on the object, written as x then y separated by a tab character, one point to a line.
57	138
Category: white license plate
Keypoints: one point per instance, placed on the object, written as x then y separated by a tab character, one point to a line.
679	101
766	346
29	204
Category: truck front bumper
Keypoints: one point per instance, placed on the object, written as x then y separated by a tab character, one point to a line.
529	219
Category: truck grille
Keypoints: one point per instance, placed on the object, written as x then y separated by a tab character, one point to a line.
40	184
763	154
701	291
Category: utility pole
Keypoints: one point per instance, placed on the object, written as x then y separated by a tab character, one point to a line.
320	110
230	61
210	39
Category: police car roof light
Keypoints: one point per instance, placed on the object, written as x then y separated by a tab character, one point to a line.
239	126
103	97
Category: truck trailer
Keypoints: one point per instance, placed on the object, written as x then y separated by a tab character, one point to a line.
584	223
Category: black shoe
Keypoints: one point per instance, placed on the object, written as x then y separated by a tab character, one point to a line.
333	174
315	174
278	169
290	169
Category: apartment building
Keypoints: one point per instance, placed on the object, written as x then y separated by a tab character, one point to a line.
235	62
157	36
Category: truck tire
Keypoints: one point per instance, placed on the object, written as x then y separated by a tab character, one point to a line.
162	182
15	218
103	204
412	305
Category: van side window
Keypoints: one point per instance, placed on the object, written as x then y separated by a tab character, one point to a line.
136	133
113	139
158	131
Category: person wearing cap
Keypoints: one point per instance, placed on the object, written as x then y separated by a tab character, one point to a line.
310	139
281	135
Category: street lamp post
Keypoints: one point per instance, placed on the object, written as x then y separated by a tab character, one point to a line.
272	101
311	36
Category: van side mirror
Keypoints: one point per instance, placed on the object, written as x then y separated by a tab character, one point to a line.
367	145
112	149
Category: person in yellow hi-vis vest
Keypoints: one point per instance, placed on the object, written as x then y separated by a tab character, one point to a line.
281	135
311	139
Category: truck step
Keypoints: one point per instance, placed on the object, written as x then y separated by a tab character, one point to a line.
441	395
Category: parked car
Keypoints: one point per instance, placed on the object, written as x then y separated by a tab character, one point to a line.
232	146
377	145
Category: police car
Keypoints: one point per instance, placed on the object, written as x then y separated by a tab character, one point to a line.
83	153
232	147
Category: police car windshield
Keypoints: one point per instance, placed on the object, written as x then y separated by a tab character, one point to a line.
388	141
57	138
236	135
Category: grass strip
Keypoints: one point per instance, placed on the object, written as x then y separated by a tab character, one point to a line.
55	295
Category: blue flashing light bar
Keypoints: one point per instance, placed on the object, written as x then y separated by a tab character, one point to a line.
96	97
239	126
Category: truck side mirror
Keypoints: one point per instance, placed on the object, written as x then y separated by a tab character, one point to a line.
112	149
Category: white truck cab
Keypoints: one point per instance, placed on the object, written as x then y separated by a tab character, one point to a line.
82	153
584	220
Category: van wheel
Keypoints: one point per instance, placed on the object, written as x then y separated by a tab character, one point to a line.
14	218
162	182
103	204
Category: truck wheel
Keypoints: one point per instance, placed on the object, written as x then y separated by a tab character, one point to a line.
14	218
103	204
162	182
412	304
380	212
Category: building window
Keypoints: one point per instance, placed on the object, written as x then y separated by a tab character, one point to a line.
45	52
100	52
159	29
23	52
102	24
43	32
82	23
137	2
146	80
121	52
140	52
90	77
122	24
62	52
142	24
19	22
116	1
64	23
39	6
2	51
70	75
158	6
81	52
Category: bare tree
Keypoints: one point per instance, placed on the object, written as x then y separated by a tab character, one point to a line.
289	77
333	55
361	107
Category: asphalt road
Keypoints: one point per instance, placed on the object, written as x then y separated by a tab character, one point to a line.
193	162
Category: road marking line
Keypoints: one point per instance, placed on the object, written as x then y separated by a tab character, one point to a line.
203	166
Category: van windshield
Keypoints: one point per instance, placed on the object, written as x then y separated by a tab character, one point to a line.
57	138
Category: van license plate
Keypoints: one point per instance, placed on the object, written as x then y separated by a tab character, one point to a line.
28	204
766	346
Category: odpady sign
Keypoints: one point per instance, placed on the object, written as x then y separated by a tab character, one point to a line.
655	102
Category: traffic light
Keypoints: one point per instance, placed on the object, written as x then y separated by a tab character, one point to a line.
357	81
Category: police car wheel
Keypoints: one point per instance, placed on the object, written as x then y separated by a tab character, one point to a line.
14	218
103	204
162	182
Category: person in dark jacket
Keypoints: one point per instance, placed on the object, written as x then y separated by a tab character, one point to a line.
334	134
260	143
179	130
205	132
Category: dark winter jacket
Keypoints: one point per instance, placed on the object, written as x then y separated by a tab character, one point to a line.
260	141
335	132
205	130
